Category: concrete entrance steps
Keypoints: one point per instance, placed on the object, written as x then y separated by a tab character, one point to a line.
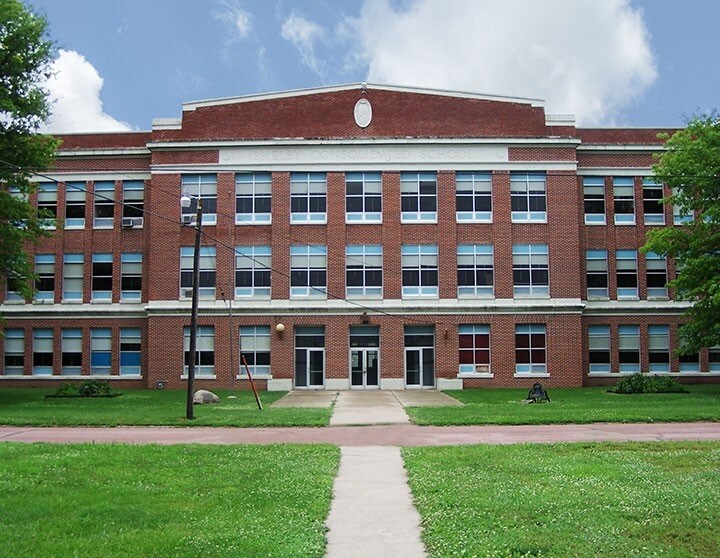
367	407
372	513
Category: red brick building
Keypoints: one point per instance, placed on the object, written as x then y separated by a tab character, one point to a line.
353	237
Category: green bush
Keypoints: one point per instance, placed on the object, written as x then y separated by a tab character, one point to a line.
89	388
644	383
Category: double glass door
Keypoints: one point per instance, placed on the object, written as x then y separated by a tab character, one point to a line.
364	357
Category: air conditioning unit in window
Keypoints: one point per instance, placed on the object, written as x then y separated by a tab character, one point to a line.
187	293
482	369
187	219
132	222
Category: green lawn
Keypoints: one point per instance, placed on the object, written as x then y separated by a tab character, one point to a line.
572	405
29	406
569	500
120	500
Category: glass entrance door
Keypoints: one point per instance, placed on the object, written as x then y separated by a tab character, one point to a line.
310	357
364	370
419	357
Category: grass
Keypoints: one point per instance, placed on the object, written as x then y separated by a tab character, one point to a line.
573	405
28	406
569	500
120	500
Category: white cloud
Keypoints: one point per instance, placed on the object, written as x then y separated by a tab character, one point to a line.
74	90
304	35
583	57
236	18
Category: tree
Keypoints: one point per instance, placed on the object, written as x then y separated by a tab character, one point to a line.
25	57
691	167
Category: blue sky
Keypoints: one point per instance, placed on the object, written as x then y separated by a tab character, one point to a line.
616	62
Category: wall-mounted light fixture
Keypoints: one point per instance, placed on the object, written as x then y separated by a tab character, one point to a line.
365	318
279	328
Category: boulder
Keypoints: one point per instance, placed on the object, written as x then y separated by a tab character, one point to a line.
204	396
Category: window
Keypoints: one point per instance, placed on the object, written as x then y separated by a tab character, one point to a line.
596	266
680	217
42	352
627	274
252	271
130	345
100	351
204	188
73	277
255	349
308	271
653	209
131	276
418	197
204	353
656	275
714	359
473	200
363	197
206	285
474	349
363	270
12	291
530	270
624	200
104	205
599	349
629	348
45	277
14	352
659	348
594	192
527	197
71	347
689	363
308	197
102	275
133	199
253	200
47	203
475	270
530	352
419	270
74	205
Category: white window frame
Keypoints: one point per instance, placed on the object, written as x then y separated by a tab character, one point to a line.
14	352
203	187
256	260
98	295
475	189
658	343
476	369
626	264
255	341
255	187
531	368
308	189
621	186
413	188
533	259
75	197
599	340
629	340
649	186
478	258
103	201
594	191
130	267
420	259
596	263
73	276
207	265
308	259
370	194
205	347
527	189
100	346
365	259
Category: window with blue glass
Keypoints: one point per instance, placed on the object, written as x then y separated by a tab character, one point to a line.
255	350
473	199
133	192
104	204
594	200
45	277
204	353
363	197
418	197
596	274
629	348
599	349
528	200
308	271
308	197
475	270
73	277
201	187
530	349
530	270
206	284
253	198
100	351
681	215
624	200
131	276
130	351
102	276
14	358
659	348
252	271
363	270
656	275
42	352
653	208
626	274
71	351
75	205
419	270
474	348
47	203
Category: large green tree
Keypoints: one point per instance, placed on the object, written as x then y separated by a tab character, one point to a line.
25	58
690	165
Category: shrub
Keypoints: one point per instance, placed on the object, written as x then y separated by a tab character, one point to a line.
89	388
643	383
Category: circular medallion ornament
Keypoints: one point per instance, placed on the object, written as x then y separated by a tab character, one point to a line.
363	113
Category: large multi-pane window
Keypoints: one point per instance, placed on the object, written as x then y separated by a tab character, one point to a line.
363	197
74	205
474	348
252	271
255	350
624	200
363	270
689	362
308	197
42	352
653	209
204	350
419	270
133	192
206	285
72	353
530	349
714	359
627	274
201	187
131	276
12	291
14	352
596	273
102	275
530	270
45	277
73	277
47	202
473	199
656	275
253	199
130	351
418	197
680	217
100	351
104	204
629	348
308	271
528	199
594	200
659	348
599	349
475	270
